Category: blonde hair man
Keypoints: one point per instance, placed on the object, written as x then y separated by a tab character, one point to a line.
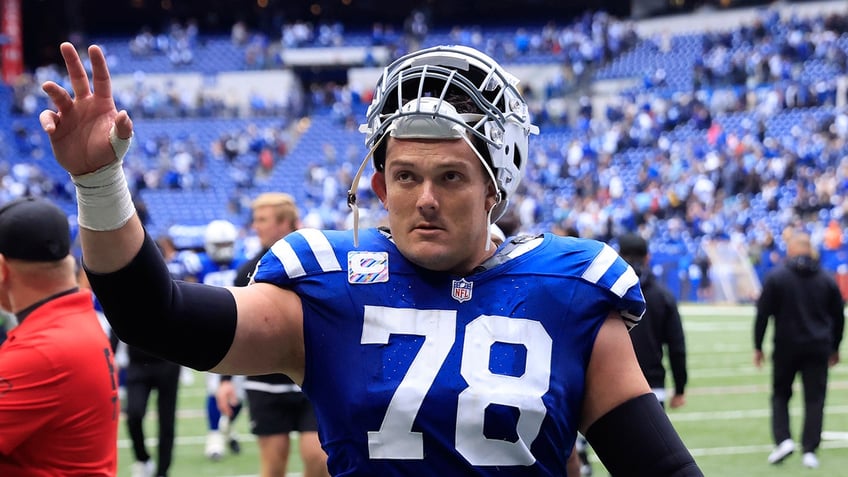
277	405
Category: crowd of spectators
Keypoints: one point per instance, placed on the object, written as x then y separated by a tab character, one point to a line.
757	144
177	42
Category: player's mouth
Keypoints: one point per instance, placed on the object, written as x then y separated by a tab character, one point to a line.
427	229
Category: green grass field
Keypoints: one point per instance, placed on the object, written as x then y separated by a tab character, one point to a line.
725	422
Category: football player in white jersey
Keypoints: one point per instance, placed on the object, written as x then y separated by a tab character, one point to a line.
219	264
425	348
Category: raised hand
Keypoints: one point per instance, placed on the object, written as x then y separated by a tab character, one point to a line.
79	129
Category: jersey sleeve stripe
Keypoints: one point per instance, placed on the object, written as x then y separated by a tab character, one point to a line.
630	320
601	263
321	248
525	247
625	282
288	258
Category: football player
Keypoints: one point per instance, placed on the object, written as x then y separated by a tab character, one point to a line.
425	348
219	265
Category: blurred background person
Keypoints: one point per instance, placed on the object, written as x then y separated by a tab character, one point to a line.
661	331
809	321
277	405
146	373
59	403
219	263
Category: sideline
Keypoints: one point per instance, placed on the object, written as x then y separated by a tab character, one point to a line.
712	309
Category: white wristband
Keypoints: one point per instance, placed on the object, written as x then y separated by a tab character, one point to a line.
103	198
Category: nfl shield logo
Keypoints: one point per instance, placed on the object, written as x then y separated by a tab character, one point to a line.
461	290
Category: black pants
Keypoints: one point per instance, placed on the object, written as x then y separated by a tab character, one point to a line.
141	380
812	364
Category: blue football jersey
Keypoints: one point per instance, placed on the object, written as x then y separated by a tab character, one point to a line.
185	265
218	274
415	372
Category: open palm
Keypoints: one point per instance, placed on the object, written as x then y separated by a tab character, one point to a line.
79	129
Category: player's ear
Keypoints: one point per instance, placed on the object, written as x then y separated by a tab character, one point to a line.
378	185
491	196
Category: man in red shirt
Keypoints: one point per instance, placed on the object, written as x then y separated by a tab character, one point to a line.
59	404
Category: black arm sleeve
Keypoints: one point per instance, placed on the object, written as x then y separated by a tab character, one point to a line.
637	439
837	310
187	323
763	313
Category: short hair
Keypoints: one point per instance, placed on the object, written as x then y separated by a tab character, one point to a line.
798	244
283	204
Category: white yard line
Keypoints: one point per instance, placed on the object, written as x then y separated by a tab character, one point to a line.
743	414
834	436
715	310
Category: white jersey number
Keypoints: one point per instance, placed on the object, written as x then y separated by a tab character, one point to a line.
396	440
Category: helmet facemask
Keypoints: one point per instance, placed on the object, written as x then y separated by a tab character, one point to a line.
416	98
219	241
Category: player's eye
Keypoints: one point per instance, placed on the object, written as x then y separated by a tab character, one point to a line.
403	176
453	176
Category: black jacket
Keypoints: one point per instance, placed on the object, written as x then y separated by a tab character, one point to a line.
806	304
660	330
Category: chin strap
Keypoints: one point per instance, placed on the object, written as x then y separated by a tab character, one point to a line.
489	227
498	194
351	193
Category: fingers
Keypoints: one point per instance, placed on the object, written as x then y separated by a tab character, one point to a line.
76	71
99	73
49	121
60	98
123	125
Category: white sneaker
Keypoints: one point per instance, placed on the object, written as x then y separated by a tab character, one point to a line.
214	445
782	451
147	469
810	460
229	434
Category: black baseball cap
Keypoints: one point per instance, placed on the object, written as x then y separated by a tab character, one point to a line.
632	245
35	230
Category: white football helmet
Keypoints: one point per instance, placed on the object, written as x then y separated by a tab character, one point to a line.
219	240
411	101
